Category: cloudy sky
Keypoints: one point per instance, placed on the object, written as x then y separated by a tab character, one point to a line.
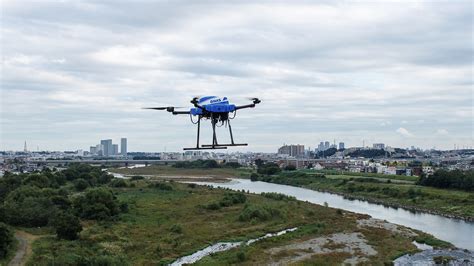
75	72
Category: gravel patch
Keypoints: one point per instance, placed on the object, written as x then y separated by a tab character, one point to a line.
352	243
377	223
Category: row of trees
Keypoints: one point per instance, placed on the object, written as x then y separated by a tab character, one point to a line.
455	179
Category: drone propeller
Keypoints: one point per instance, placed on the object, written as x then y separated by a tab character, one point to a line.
254	100
195	100
167	108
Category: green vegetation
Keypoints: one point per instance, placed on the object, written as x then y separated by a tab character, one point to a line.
162	225
408	195
456	179
67	226
205	164
51	199
6	240
166	170
348	174
145	222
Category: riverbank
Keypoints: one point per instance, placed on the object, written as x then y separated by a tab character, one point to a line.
163	225
448	203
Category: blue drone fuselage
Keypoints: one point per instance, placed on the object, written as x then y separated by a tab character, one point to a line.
212	104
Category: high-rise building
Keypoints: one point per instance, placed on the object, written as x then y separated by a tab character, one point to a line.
93	150
123	146
114	149
341	145
378	146
292	150
326	145
107	149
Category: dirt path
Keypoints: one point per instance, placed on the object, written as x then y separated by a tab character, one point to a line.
24	248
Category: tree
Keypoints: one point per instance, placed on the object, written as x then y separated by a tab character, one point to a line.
29	206
6	240
67	226
80	184
96	204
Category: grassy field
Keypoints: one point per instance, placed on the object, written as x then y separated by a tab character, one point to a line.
165	170
443	201
162	225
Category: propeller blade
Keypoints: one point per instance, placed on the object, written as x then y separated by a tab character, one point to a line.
163	108
254	100
155	108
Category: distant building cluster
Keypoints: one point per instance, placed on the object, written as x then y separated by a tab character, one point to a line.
326	145
292	150
107	148
378	146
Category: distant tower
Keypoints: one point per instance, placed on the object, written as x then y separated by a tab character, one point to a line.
25	148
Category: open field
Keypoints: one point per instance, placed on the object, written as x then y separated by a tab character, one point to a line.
162	225
164	170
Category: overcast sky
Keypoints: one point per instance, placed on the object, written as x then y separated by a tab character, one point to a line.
75	72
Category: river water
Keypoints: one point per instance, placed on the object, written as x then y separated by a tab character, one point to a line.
456	231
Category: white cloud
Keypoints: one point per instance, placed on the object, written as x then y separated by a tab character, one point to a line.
328	67
442	132
404	132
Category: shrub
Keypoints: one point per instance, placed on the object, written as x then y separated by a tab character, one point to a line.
96	204
241	256
290	168
213	206
29	206
80	184
6	240
232	198
162	186
67	226
254	177
176	228
261	213
277	196
118	182
137	177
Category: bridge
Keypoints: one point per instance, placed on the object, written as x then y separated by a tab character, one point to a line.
124	162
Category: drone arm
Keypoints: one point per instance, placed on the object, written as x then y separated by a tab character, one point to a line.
252	105
181	112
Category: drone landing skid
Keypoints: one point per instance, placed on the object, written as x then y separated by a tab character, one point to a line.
205	147
225	145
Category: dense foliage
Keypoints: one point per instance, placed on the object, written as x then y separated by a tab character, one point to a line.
326	153
268	168
370	153
51	198
6	240
96	204
67	226
456	179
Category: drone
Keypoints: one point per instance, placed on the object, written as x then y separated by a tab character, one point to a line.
213	108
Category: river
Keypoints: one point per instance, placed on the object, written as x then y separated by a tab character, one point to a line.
456	231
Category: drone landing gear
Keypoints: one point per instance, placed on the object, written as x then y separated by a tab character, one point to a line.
215	144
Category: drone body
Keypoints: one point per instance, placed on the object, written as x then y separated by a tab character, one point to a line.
215	109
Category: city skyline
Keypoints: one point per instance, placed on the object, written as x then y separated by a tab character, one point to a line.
393	73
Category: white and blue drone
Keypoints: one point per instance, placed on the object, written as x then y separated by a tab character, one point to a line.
217	110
